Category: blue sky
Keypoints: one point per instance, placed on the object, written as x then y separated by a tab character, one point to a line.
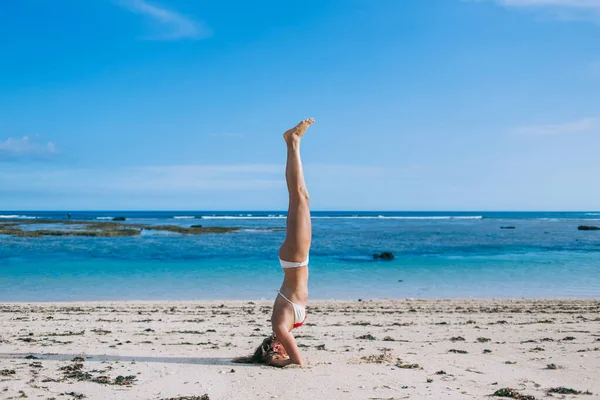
420	105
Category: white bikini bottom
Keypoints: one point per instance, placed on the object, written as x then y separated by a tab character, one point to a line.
299	312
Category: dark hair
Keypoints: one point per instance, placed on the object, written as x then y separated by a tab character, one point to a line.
263	354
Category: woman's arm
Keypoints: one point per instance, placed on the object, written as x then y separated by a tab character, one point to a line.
289	343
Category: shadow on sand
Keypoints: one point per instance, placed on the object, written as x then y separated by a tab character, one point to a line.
127	358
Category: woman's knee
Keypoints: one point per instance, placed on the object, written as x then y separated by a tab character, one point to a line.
300	195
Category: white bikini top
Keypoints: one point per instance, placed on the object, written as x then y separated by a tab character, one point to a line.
289	264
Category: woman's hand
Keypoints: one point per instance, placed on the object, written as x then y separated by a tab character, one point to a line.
280	363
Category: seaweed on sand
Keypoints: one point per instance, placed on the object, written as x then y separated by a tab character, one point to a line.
7	372
75	371
512	393
76	395
367	337
383	358
124	380
69	333
401	364
564	390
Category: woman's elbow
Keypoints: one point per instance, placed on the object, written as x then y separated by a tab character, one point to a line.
297	361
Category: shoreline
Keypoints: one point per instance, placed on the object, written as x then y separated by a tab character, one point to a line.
421	349
310	300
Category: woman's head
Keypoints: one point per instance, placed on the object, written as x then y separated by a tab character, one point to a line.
269	350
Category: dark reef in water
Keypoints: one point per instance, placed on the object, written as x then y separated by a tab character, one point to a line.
588	228
386	255
98	229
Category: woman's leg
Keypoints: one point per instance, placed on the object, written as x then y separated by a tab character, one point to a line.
296	245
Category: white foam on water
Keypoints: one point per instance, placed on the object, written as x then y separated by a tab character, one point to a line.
241	217
443	217
17	217
184	217
104	218
564	219
475	217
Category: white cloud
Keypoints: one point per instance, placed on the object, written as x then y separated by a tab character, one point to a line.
200	177
193	179
552	3
25	147
526	181
197	187
582	125
161	179
228	135
174	26
558	9
330	172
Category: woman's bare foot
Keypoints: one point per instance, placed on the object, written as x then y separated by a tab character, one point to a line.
296	133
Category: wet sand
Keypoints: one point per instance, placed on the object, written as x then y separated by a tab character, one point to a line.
457	349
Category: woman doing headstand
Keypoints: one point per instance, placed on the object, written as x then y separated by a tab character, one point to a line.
289	309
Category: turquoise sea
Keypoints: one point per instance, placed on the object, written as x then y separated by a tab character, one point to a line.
438	255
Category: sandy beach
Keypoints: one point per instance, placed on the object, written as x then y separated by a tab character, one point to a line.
456	349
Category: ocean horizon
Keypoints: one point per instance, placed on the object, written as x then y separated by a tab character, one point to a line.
437	255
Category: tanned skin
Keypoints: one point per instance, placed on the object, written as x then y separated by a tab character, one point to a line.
295	248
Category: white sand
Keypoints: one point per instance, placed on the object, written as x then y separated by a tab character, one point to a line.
147	340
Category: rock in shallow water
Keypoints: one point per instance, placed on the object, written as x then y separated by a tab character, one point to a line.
588	228
386	255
